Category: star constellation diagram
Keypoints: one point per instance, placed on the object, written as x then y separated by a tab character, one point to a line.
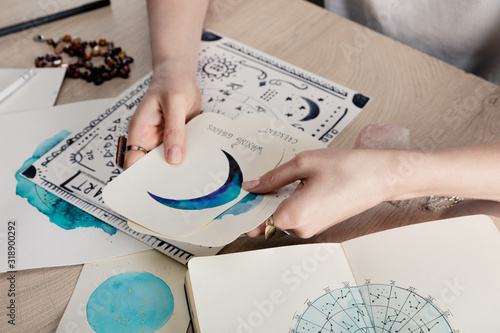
372	308
235	79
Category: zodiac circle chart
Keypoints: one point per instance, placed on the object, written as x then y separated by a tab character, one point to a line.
372	308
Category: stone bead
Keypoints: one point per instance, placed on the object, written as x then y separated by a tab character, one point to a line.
98	80
40	63
115	64
123	73
109	61
70	72
96	50
126	60
80	62
59	48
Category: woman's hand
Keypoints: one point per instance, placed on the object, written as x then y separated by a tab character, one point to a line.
334	185
172	99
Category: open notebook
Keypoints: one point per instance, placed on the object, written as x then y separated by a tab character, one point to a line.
436	277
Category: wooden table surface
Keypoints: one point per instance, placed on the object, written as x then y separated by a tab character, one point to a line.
441	105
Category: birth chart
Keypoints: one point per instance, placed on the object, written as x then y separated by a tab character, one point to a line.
372	308
235	79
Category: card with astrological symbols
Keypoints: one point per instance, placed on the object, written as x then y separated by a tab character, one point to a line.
201	201
234	80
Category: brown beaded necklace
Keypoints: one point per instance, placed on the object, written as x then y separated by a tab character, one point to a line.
116	61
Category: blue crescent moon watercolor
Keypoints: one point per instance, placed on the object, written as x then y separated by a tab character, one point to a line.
313	109
246	204
224	194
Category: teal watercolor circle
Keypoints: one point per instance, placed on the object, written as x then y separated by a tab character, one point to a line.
130	302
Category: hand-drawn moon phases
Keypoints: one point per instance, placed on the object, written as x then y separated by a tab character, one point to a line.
360	100
313	109
208	36
224	194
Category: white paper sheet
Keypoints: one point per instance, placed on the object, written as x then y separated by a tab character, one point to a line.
447	270
262	291
203	172
222	224
39	242
40	91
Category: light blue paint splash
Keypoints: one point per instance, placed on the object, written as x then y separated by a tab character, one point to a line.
60	212
130	302
247	203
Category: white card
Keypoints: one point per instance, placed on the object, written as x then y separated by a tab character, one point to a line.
239	215
43	239
40	91
178	200
141	292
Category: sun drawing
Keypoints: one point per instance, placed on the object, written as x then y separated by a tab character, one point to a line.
218	68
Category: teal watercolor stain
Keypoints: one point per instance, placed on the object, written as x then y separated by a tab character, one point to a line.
247	203
59	212
130	302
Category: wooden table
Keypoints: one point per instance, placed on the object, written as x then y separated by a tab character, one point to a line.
441	105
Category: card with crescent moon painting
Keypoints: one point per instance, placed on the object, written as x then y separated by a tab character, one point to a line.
249	211
253	209
178	200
